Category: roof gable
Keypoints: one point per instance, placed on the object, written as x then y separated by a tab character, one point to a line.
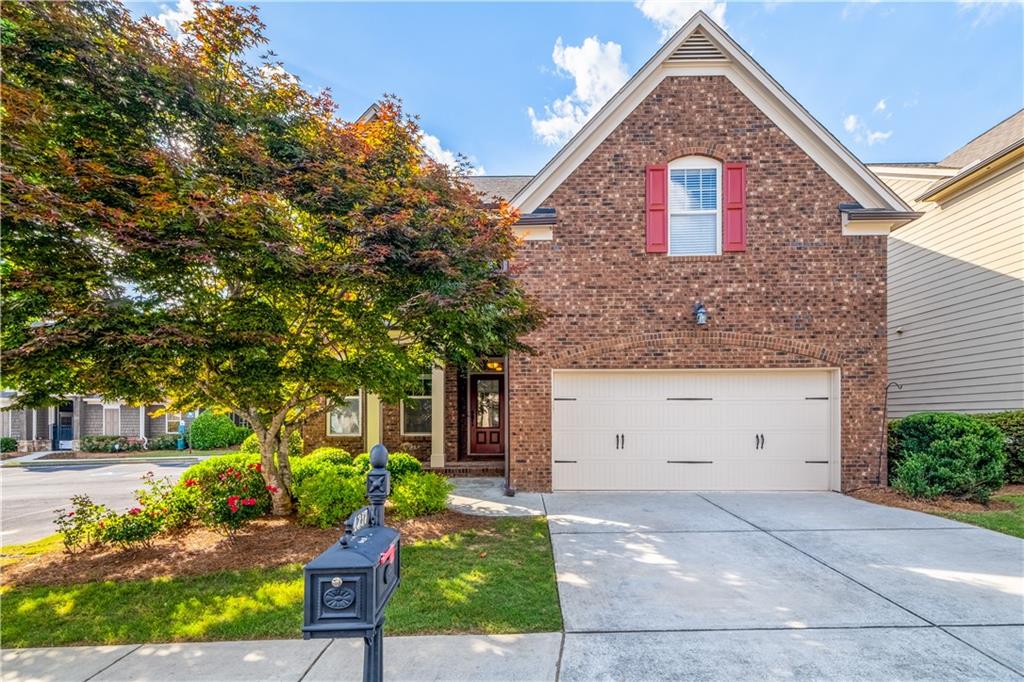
993	140
701	47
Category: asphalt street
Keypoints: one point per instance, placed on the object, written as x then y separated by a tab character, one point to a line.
31	495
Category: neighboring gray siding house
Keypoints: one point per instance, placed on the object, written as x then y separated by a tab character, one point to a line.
62	427
956	278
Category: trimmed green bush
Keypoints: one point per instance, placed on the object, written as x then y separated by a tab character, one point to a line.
135	528
420	493
109	444
318	460
210	431
328	495
1012	425
400	464
943	453
162	443
251	444
8	444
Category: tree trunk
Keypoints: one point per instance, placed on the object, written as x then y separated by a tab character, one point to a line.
280	492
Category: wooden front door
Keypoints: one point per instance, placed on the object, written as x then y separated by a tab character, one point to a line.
486	414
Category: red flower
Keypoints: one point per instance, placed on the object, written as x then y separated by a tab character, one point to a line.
249	501
233	503
271	489
256	466
70	514
190	482
134	511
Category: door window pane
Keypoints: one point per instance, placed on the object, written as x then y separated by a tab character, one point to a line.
488	400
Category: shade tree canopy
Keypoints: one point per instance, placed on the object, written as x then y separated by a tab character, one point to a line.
182	220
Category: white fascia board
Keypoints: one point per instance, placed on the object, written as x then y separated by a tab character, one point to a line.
538	233
868	228
915	172
748	76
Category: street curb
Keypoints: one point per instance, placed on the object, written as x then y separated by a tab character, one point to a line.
187	459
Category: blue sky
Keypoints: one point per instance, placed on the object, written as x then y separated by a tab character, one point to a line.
506	83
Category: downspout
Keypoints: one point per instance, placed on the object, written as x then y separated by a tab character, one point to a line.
885	428
509	490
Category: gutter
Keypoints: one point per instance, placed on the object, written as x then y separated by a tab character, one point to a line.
873	221
1000	159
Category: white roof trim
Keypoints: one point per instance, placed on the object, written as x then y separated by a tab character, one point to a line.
750	78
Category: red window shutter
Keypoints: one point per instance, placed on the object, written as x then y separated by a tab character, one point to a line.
657	209
734	217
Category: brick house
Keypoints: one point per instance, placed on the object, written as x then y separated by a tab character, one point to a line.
713	262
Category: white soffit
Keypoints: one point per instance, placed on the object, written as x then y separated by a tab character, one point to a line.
701	48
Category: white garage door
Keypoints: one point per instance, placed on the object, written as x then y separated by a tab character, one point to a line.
691	430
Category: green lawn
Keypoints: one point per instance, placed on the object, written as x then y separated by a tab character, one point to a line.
1010	522
491	582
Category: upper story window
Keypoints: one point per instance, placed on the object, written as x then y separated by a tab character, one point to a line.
695	207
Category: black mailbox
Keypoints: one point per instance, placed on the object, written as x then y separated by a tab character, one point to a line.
348	586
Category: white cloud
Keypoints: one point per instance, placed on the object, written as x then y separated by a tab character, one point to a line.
172	18
983	11
669	15
597	71
861	133
432	146
880	106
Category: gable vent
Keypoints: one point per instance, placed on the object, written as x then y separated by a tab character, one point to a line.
697	48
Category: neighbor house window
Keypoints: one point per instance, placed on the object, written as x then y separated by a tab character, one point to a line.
694	204
173	421
416	410
346	417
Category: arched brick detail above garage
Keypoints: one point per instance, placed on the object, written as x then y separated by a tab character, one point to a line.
706	341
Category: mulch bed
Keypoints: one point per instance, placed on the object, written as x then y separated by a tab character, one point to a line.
894	498
263	544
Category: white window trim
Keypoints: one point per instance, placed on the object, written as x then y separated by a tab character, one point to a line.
401	411
359	434
167	420
700	162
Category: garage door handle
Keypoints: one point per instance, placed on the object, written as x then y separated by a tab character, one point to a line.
565	461
689	461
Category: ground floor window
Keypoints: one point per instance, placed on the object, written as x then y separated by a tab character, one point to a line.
346	417
416	410
173	422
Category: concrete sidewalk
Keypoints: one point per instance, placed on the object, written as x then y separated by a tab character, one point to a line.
454	657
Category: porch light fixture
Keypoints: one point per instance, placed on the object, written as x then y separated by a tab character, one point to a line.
495	366
700	313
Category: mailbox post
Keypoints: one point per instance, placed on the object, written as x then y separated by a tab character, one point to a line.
348	586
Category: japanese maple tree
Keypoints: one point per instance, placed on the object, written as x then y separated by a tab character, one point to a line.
184	221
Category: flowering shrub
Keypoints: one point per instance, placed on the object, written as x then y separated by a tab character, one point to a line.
110	444
329	493
178	505
399	464
136	527
78	527
229	490
420	493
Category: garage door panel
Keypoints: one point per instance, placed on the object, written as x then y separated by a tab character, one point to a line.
743	430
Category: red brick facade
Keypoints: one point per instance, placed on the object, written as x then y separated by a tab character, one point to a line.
801	295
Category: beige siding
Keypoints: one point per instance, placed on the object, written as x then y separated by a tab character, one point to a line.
956	297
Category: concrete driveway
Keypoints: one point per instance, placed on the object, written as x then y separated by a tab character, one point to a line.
735	586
